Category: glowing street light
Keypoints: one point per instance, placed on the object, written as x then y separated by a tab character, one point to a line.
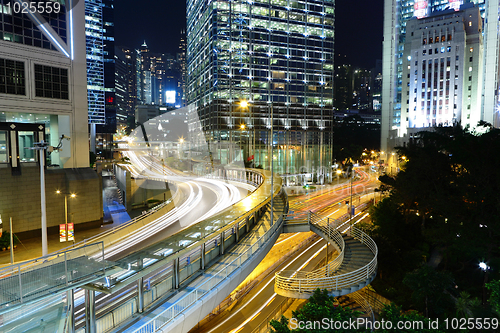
71	195
483	266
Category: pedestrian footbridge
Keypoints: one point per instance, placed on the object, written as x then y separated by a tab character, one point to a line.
354	267
171	285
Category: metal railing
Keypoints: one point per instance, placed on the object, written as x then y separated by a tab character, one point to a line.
306	282
158	277
193	296
333	235
32	280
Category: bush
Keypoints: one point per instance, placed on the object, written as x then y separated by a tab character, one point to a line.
5	240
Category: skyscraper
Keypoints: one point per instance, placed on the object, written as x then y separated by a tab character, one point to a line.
95	61
278	56
397	14
181	59
159	78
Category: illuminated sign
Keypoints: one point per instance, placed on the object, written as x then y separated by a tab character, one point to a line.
71	232
455	4
62	233
170	96
421	9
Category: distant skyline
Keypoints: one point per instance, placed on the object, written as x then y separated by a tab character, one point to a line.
358	28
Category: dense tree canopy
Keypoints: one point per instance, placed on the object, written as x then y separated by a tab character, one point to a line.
440	220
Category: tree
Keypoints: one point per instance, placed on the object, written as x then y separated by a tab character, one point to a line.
466	305
494	300
319	307
395	315
443	211
429	289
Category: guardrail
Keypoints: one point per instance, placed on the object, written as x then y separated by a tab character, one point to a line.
308	282
29	281
335	239
199	244
179	306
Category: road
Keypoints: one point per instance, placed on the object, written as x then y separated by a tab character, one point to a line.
254	309
200	199
251	310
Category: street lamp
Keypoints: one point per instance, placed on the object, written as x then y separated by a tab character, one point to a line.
351	205
71	195
483	266
272	165
246	105
41	147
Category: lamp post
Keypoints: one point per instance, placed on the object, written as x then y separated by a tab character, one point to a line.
71	195
351	205
181	141
272	166
41	147
245	105
338	172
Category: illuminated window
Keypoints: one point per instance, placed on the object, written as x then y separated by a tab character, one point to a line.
12	77
51	82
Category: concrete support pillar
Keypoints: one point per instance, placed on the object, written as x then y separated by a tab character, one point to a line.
93	138
247	224
90	311
202	261
222	243
70	295
140	294
175	274
237	232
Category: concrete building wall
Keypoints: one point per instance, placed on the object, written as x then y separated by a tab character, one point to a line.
20	199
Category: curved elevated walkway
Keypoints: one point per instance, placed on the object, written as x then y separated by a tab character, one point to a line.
353	268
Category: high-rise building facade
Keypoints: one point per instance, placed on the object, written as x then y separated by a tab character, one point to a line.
43	85
278	56
95	61
181	59
43	95
397	14
159	78
442	58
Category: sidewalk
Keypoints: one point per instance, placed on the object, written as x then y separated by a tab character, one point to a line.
32	248
114	212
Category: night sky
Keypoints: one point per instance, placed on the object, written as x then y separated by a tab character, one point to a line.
358	27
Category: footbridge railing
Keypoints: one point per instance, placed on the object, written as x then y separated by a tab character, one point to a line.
339	276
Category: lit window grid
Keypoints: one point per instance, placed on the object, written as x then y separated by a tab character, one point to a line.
18	28
12	77
235	58
95	62
51	82
216	113
405	13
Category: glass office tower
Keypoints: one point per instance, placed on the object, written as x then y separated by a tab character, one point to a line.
277	55
397	13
